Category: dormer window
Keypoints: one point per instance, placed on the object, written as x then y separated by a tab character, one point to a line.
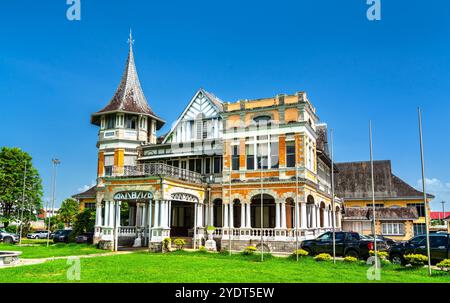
130	121
110	121
262	120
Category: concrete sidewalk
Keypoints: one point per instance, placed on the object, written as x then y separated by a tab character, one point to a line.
25	262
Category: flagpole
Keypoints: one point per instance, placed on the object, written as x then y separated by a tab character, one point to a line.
373	197
333	211
424	191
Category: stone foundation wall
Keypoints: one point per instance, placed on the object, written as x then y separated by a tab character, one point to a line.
269	246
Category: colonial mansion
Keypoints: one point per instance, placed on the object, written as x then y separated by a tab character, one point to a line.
253	169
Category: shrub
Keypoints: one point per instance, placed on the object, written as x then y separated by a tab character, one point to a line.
211	228
249	250
179	243
444	265
300	253
202	249
166	244
416	260
323	257
350	260
12	229
381	254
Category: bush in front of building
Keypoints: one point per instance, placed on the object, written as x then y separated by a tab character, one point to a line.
323	257
300	253
249	250
179	243
444	265
381	254
202	249
166	244
416	260
350	259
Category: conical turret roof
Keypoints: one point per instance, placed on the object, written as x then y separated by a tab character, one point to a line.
129	96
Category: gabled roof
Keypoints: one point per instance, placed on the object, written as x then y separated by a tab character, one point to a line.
382	213
90	193
354	182
202	102
439	215
129	96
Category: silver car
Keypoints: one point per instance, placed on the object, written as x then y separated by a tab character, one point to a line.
39	234
7	237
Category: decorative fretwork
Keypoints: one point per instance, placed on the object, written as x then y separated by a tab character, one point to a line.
184	197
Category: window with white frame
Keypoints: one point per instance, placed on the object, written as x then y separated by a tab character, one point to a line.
393	229
108	165
262	152
290	153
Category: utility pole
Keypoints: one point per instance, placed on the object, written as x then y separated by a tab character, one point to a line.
443	210
425	202
55	162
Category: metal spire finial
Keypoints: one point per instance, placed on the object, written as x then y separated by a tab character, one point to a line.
130	39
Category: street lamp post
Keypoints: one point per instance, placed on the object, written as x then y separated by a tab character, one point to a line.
23	203
55	162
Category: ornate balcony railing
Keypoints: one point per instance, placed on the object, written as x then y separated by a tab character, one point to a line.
157	169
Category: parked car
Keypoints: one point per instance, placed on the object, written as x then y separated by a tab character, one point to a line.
7	237
39	234
388	241
439	248
347	244
85	238
62	235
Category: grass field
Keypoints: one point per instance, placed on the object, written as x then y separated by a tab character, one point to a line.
198	268
54	250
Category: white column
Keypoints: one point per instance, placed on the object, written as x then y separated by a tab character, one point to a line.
314	216
138	215
200	215
149	220
111	213
304	222
297	216
98	215
277	215
249	224
156	220
164	214
318	216
225	215
144	215
169	215
231	210
325	217
106	223
283	214
243	218
211	215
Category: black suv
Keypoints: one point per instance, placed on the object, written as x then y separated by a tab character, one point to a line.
62	235
347	244
439	248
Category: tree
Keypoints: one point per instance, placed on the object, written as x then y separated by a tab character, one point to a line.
84	223
68	211
13	205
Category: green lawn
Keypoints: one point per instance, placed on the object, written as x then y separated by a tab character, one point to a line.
198	268
53	250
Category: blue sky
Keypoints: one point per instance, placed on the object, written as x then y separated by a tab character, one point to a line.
54	73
